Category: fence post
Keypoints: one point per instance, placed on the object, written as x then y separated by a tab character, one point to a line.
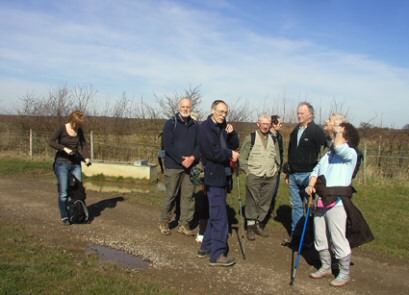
365	163
91	140
31	144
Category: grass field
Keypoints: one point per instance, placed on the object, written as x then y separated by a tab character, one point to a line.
24	259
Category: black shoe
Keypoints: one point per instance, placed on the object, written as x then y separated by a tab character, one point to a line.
202	253
251	232
286	242
66	221
260	231
223	261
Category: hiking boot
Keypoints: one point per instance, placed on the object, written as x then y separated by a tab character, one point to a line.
202	253
223	261
286	242
321	273
343	276
164	228
325	269
65	221
184	229
260	231
338	282
251	232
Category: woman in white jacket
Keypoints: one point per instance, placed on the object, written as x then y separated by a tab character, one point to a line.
331	180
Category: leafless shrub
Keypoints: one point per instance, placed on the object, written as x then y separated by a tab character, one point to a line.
168	105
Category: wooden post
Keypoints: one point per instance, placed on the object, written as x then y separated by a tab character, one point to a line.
91	140
31	144
365	163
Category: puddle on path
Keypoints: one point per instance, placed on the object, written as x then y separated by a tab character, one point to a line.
117	256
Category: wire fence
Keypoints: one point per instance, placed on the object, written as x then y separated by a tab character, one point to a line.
379	161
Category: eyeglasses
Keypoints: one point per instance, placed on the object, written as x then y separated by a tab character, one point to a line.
221	112
264	124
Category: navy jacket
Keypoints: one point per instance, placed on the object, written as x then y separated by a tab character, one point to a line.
180	140
215	158
304	156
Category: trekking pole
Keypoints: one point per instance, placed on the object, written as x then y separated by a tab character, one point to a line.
301	241
241	237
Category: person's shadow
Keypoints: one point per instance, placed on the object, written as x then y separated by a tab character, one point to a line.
95	210
308	251
283	216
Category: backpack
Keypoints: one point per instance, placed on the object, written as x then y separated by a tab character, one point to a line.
77	210
359	159
162	152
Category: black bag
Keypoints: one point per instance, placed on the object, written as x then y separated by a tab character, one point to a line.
77	212
77	209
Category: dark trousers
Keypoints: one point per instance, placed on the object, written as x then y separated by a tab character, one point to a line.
217	230
202	210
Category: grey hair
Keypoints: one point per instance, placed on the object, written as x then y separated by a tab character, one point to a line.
263	116
339	119
309	106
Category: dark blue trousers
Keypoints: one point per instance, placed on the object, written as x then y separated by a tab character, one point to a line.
217	230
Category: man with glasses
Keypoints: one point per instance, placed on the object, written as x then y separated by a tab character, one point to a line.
218	141
260	162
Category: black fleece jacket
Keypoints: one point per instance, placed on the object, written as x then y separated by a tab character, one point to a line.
304	156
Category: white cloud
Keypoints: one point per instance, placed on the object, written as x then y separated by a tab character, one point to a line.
142	47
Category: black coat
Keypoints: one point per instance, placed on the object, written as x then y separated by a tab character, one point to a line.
303	157
357	231
215	157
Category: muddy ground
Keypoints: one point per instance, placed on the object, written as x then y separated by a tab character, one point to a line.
121	224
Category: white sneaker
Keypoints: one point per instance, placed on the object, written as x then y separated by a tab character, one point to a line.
199	238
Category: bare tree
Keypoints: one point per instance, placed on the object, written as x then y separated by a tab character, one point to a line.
83	96
240	112
168	105
338	109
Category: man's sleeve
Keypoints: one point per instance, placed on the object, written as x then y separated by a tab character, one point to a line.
244	153
168	144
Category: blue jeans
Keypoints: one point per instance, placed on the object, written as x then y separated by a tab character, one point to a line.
217	229
62	170
298	182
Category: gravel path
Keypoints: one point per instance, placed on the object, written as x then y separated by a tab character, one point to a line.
125	225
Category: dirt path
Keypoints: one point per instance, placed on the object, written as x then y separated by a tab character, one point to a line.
125	225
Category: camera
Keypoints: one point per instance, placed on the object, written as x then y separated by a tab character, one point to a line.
287	168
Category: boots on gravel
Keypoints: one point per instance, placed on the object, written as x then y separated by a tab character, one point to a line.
260	230
343	277
325	269
164	228
251	232
184	229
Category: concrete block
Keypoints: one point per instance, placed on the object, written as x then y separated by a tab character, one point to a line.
116	169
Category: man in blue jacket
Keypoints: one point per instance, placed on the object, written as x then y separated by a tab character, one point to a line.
180	140
217	141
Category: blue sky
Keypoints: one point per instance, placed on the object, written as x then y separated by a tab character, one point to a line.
353	53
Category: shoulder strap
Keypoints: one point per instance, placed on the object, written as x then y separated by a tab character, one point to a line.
252	139
174	122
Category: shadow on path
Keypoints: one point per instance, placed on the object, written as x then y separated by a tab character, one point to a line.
96	209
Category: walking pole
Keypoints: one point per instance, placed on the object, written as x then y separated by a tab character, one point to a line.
241	236
301	242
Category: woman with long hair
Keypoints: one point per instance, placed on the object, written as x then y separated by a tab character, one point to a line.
71	146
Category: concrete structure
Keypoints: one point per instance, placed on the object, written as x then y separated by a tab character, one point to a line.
117	169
